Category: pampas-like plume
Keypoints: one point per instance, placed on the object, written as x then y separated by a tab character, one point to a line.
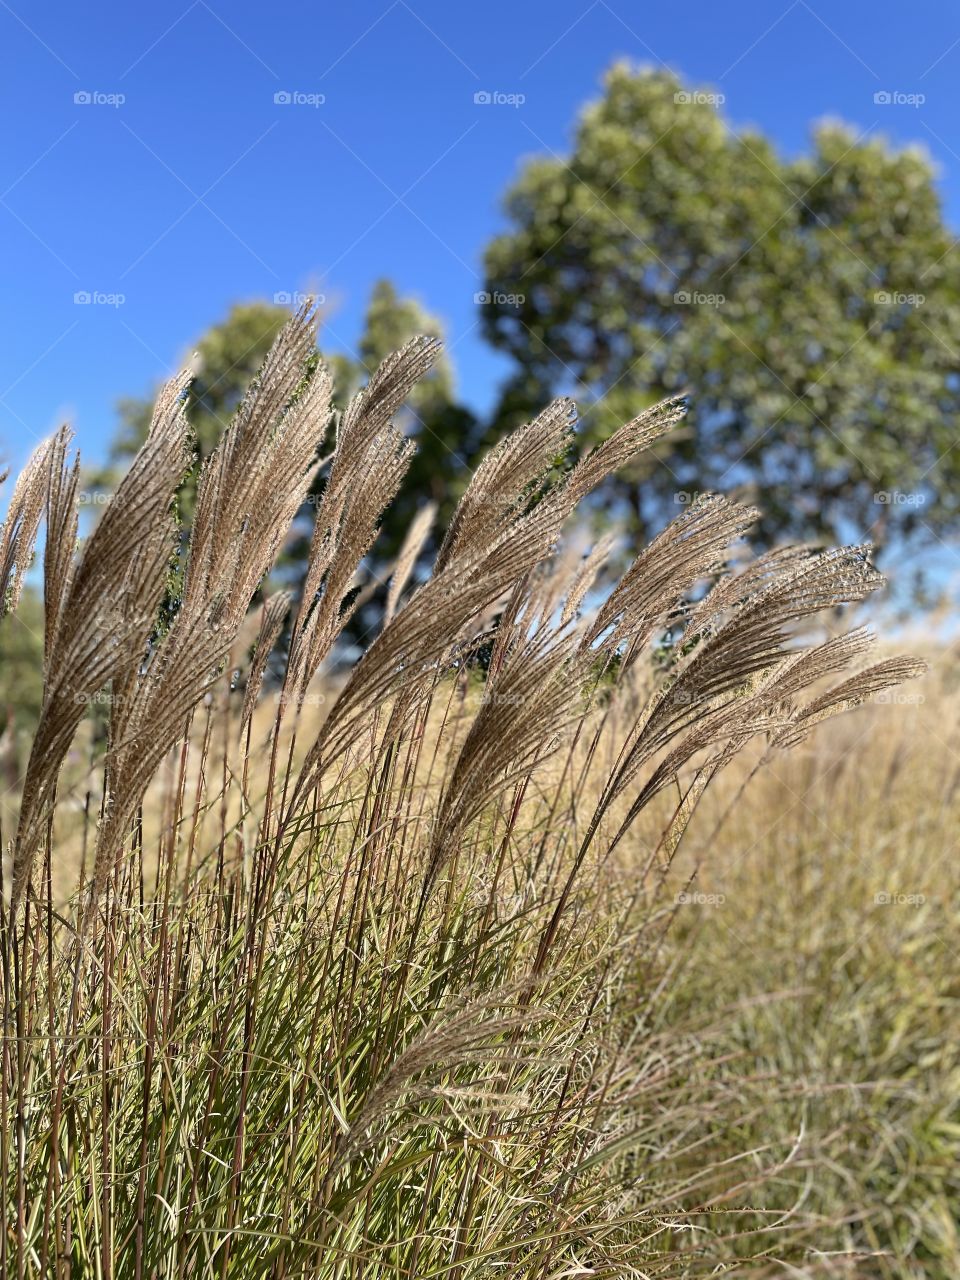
275	610
481	565
18	533
725	689
475	1028
622	447
424	633
586	576
409	552
62	522
253	485
850	693
537	690
102	610
506	480
649	593
368	465
712	697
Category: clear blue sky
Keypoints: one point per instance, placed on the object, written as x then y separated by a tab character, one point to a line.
200	189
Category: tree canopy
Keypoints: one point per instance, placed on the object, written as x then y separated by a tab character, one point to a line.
809	305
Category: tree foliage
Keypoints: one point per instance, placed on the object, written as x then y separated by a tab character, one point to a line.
809	305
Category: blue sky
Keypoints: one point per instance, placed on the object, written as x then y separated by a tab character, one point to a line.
184	185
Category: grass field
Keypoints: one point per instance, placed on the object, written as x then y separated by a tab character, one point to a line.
828	969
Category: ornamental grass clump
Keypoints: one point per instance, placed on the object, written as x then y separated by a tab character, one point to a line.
372	990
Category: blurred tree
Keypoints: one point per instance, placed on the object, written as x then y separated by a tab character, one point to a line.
810	306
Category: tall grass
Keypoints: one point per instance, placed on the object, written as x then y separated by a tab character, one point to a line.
822	951
374	990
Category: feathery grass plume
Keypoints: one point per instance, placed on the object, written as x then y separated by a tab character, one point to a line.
484	569
649	594
537	690
375	482
368	464
273	614
257	448
413	543
717	699
253	483
584	578
252	487
468	1029
711	689
622	446
507	480
425	633
766	704
102	608
847	695
801	669
735	587
18	533
61	540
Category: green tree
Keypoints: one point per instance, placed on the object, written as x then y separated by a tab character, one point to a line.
810	306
